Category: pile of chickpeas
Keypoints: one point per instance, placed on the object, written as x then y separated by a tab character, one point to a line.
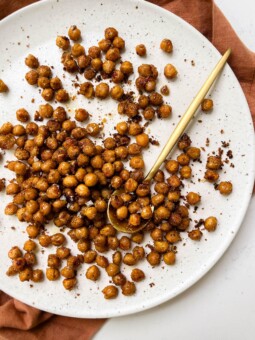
65	175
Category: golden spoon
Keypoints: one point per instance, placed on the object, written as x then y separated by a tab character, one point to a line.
178	131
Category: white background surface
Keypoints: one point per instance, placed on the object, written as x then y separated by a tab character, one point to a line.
221	306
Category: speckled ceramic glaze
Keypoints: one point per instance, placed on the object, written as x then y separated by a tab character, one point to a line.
33	30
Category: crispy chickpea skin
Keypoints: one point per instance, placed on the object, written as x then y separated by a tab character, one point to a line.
110	292
207	105
225	188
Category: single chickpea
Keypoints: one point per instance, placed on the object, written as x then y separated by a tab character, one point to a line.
138	253
83	61
62	96
207	105
183	159
31	61
186	172
63	252
11	209
169	258
129	259
119	43
142	139
117	76
108	66
63	42
193	198
136	162
210	223
134	220
43	82
153	258
48	94
140	50
31	77
214	163
67	272
116	92
165	90
53	261
113	54
70	65
112	269
25	274
96	64
93	273
125	243
55	83
58	239
137	275
102	261
122	128
94	52
128	288
110	33
87	90
69	284
195	234
166	45
211	175
22	115
90	179
102	90
148	113
164	111
37	275
193	153
77	50
52	274
29	245
126	67
110	292
130	185
44	240
173	236
44	71
156	99
104	45
74	33
14	253
170	71
172	166
225	188
122	213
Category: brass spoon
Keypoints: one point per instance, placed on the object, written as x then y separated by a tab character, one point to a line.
178	131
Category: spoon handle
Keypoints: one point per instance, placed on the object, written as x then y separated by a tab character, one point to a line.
186	118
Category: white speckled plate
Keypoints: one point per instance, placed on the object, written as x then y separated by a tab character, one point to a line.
33	30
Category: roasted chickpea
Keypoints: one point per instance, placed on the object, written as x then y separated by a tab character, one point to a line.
93	273
63	42
62	96
165	90
173	236
102	90
22	115
211	223
142	140
32	230
161	188
14	253
129	259
112	269
128	288
172	166
37	275
53	261
102	261
214	163
96	64
193	198
83	61
166	45
117	75
164	111
211	175
70	65
44	240
110	33
63	252
31	61
52	274
122	213
136	162
87	90
193	153
153	258
131	185
11	209
69	284
138	253
110	292
48	94
116	92
104	45
169	258
77	50
195	234
126	67
25	274
186	172
225	188
140	50
134	220
67	272
29	245
55	83
58	239
94	52
207	105
113	54
31	77
170	71
74	33
43	82
149	113
137	275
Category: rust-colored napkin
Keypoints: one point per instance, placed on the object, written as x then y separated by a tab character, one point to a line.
19	321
